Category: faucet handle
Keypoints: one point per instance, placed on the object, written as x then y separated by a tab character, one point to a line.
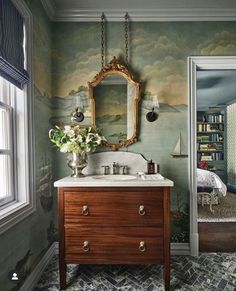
106	170
125	170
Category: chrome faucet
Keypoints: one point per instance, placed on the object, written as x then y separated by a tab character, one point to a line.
115	168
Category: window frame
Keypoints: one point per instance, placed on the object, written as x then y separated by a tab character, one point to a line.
24	203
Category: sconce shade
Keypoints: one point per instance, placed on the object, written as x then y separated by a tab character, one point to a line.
155	102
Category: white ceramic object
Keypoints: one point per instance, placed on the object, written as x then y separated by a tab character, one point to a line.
94	172
91	181
135	162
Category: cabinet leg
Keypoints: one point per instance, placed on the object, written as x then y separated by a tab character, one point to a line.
166	273
62	273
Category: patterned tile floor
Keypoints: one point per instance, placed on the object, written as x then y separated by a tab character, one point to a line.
210	271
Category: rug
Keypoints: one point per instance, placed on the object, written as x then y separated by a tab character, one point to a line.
225	211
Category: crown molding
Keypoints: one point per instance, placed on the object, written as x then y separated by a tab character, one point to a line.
88	15
50	8
55	13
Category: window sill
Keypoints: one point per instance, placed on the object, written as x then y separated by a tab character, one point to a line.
14	213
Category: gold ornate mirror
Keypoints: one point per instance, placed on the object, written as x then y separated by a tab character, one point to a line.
114	97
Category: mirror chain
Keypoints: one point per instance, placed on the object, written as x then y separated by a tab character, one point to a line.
102	38
126	38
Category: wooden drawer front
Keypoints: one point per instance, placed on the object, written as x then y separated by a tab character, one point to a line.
114	244
119	208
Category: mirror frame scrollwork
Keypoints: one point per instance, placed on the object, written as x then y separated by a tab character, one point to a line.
114	68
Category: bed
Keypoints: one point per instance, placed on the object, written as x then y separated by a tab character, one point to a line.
209	188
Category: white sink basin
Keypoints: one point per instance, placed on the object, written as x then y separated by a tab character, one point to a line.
115	177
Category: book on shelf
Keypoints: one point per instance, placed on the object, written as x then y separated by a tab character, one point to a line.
203	147
219	146
206	158
204	138
206	127
215	118
210	147
203	127
214	137
218	156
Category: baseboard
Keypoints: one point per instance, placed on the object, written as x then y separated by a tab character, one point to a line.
180	249
34	276
194	244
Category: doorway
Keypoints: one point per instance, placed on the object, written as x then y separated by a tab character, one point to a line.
210	146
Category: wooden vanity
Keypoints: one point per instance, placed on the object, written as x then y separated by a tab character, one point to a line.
128	223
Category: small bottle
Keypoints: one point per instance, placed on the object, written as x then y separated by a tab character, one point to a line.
150	167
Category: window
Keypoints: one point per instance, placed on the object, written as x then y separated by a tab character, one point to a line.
16	139
7	192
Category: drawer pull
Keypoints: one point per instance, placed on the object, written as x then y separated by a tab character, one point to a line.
86	246
85	210
142	210
142	247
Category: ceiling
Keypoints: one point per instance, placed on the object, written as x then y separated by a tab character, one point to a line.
215	88
140	10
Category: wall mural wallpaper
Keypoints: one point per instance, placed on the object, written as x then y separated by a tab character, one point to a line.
158	56
45	184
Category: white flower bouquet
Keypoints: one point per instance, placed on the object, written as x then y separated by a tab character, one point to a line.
76	139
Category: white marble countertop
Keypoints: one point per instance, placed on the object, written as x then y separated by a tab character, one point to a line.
103	181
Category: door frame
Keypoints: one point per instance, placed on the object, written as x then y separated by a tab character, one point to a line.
194	63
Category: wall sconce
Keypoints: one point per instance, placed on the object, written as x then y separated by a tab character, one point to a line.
153	115
78	115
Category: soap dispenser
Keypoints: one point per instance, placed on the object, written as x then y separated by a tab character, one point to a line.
150	167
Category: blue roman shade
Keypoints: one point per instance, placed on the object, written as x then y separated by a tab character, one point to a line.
11	45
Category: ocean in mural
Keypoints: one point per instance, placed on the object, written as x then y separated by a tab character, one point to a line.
111	110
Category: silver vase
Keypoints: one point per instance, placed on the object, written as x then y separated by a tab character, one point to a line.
77	162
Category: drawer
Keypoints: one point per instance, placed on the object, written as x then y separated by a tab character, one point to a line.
114	245
132	208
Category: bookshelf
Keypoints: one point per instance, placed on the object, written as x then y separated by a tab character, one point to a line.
211	141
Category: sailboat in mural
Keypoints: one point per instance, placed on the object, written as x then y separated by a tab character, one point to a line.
177	151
